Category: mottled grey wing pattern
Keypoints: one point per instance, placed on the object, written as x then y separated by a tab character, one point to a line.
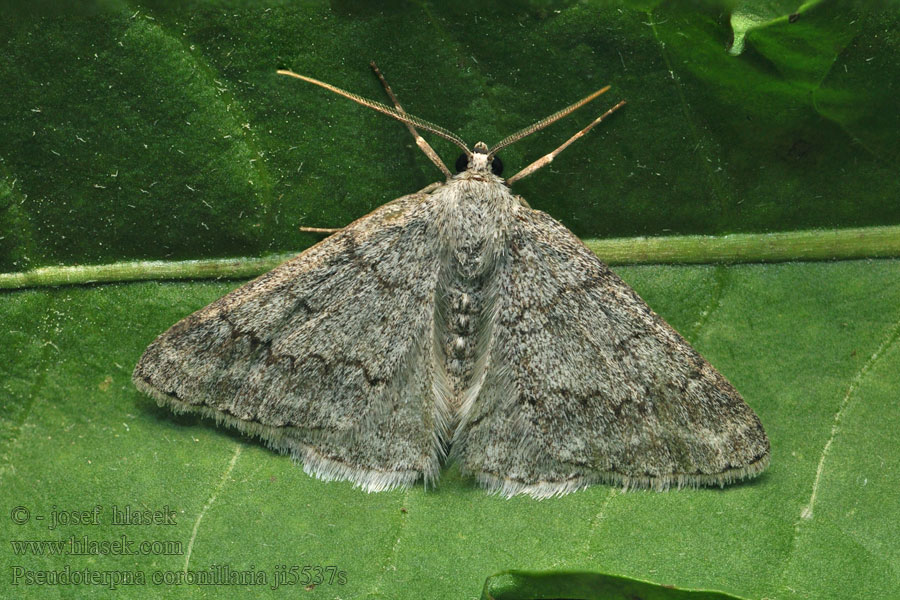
280	357
585	383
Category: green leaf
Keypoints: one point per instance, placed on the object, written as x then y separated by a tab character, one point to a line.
812	347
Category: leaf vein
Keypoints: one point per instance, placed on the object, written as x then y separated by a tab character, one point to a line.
806	513
209	503
392	557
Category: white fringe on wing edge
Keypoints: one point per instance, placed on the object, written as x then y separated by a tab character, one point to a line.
373	480
314	463
540	490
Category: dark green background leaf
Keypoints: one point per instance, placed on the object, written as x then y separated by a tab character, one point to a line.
156	130
522	585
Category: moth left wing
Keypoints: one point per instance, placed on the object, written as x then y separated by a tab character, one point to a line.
327	357
584	383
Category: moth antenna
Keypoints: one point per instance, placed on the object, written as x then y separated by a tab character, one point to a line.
423	145
384	108
328	230
544	122
548	158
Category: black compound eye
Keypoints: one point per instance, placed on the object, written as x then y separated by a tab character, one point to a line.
497	166
462	163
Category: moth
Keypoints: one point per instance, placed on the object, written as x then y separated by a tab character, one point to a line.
458	324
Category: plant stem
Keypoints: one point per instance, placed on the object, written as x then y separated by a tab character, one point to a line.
834	244
830	244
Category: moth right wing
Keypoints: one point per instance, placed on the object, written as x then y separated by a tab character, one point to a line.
327	357
584	383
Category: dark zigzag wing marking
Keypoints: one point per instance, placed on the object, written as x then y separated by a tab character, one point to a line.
292	357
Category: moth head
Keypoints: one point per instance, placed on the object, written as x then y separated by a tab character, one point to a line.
479	160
